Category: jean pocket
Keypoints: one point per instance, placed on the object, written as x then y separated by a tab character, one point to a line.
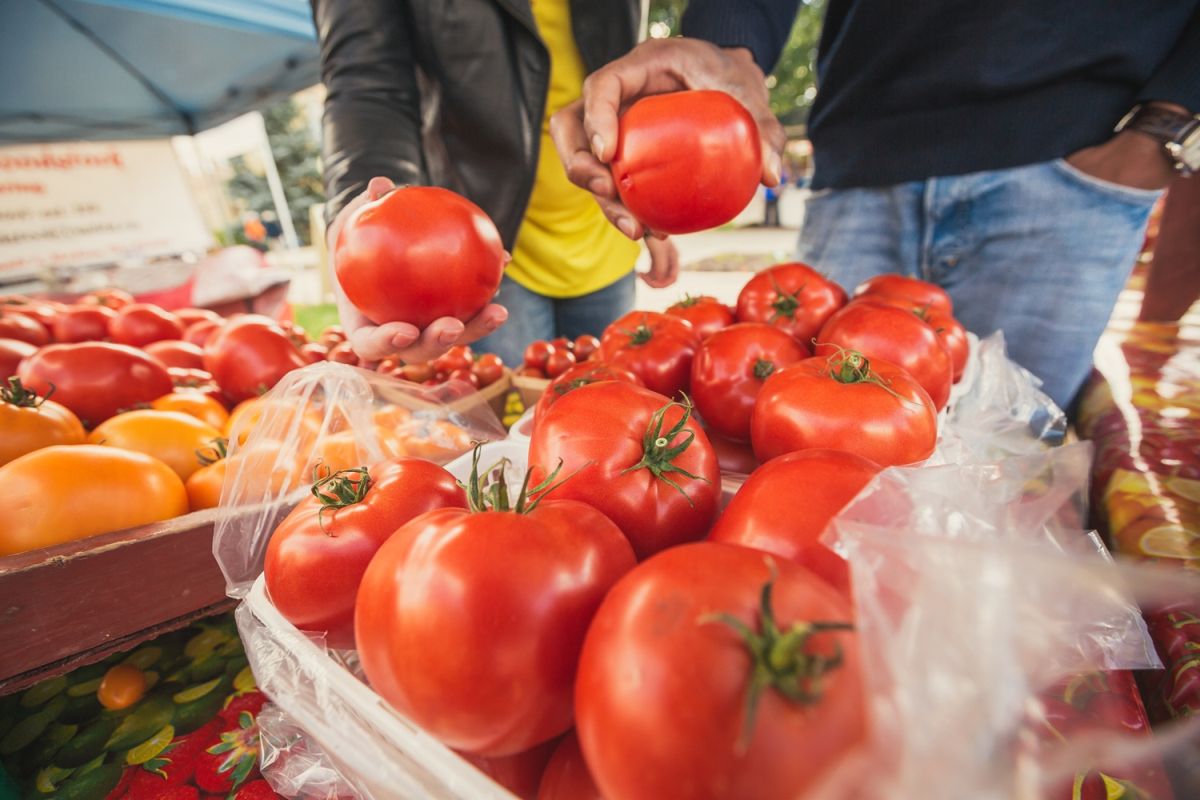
1128	194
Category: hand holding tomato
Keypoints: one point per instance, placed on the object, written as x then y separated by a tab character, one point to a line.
408	341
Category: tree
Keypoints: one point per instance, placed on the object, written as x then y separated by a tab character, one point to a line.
296	159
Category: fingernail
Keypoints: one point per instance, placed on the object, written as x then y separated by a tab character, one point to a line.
492	324
774	165
625	224
597	144
447	337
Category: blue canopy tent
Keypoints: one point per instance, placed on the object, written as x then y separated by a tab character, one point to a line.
137	69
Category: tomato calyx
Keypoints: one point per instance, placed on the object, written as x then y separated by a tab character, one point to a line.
763	368
490	492
659	451
15	394
785	304
340	489
851	366
689	300
780	659
589	377
217	450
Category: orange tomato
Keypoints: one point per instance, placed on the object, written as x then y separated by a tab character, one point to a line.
170	436
66	492
436	440
282	420
195	404
121	687
261	475
28	422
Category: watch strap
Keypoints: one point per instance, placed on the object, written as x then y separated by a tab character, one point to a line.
1159	123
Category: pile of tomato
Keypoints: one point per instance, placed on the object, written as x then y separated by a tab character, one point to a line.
605	628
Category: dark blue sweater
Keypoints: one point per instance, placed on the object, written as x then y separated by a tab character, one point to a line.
912	89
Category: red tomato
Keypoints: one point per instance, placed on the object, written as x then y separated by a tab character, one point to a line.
249	355
112	298
465	376
585	345
515	589
418	254
488	368
12	352
793	297
139	324
666	671
895	335
44	313
334	334
954	337
15	325
707	314
181	376
656	347
845	402
198	333
729	369
343	354
928	295
95	379
520	773
457	357
765	515
83	323
566	777
417	373
527	371
295	332
319	552
577	376
640	459
686	161
177	353
559	362
314	352
562	343
190	316
536	354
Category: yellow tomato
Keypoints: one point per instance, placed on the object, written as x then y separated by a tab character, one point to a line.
281	419
262	479
67	492
170	436
121	687
195	404
27	423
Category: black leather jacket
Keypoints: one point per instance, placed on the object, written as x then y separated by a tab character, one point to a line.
447	92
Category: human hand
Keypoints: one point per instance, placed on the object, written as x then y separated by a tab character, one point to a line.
1128	159
664	263
585	132
405	341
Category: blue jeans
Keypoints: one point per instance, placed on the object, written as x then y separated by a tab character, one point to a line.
1040	251
533	316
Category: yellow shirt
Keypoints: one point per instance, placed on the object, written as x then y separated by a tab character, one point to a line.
565	247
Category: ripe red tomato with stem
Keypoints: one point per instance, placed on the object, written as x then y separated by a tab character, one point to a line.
585	346
318	553
949	330
658	348
895	335
88	323
248	355
514	583
457	357
638	457
686	161
707	314
785	505
12	353
536	354
729	369
793	297
845	402
418	254
922	293
576	377
559	362
96	379
139	324
198	333
567	777
14	325
713	671
177	353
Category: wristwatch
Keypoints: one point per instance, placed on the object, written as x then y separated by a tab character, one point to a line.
1178	132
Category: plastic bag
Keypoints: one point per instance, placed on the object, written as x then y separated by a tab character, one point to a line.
293	765
330	416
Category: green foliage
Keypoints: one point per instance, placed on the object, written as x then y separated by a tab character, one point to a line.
296	159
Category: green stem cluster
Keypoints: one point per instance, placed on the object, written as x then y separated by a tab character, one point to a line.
659	450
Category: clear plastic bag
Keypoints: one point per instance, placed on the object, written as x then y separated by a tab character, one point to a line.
295	766
330	416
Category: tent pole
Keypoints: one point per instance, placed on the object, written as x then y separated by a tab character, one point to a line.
273	180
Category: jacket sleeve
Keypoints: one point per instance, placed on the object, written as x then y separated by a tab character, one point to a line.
372	122
1177	79
761	26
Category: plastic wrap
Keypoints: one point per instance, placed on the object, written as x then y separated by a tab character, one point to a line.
330	416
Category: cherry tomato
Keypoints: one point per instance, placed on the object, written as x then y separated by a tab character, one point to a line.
559	362
12	353
488	368
666	671
585	346
417	373
707	314
656	347
576	377
729	369
344	354
314	352
83	324
526	371
95	379
318	554
457	357
14	325
177	353
334	334
139	324
784	506
536	354
793	297
249	355
639	458
845	402
121	687
30	422
198	333
567	777
464	375
417	254
686	161
928	295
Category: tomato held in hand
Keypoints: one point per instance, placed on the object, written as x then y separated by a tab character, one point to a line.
418	254
139	324
578	376
686	161
95	379
926	295
712	671
83	324
470	622
656	347
729	369
567	777
895	335
318	554
177	353
845	402
248	355
29	422
707	314
12	353
792	297
784	506
639	458
14	325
